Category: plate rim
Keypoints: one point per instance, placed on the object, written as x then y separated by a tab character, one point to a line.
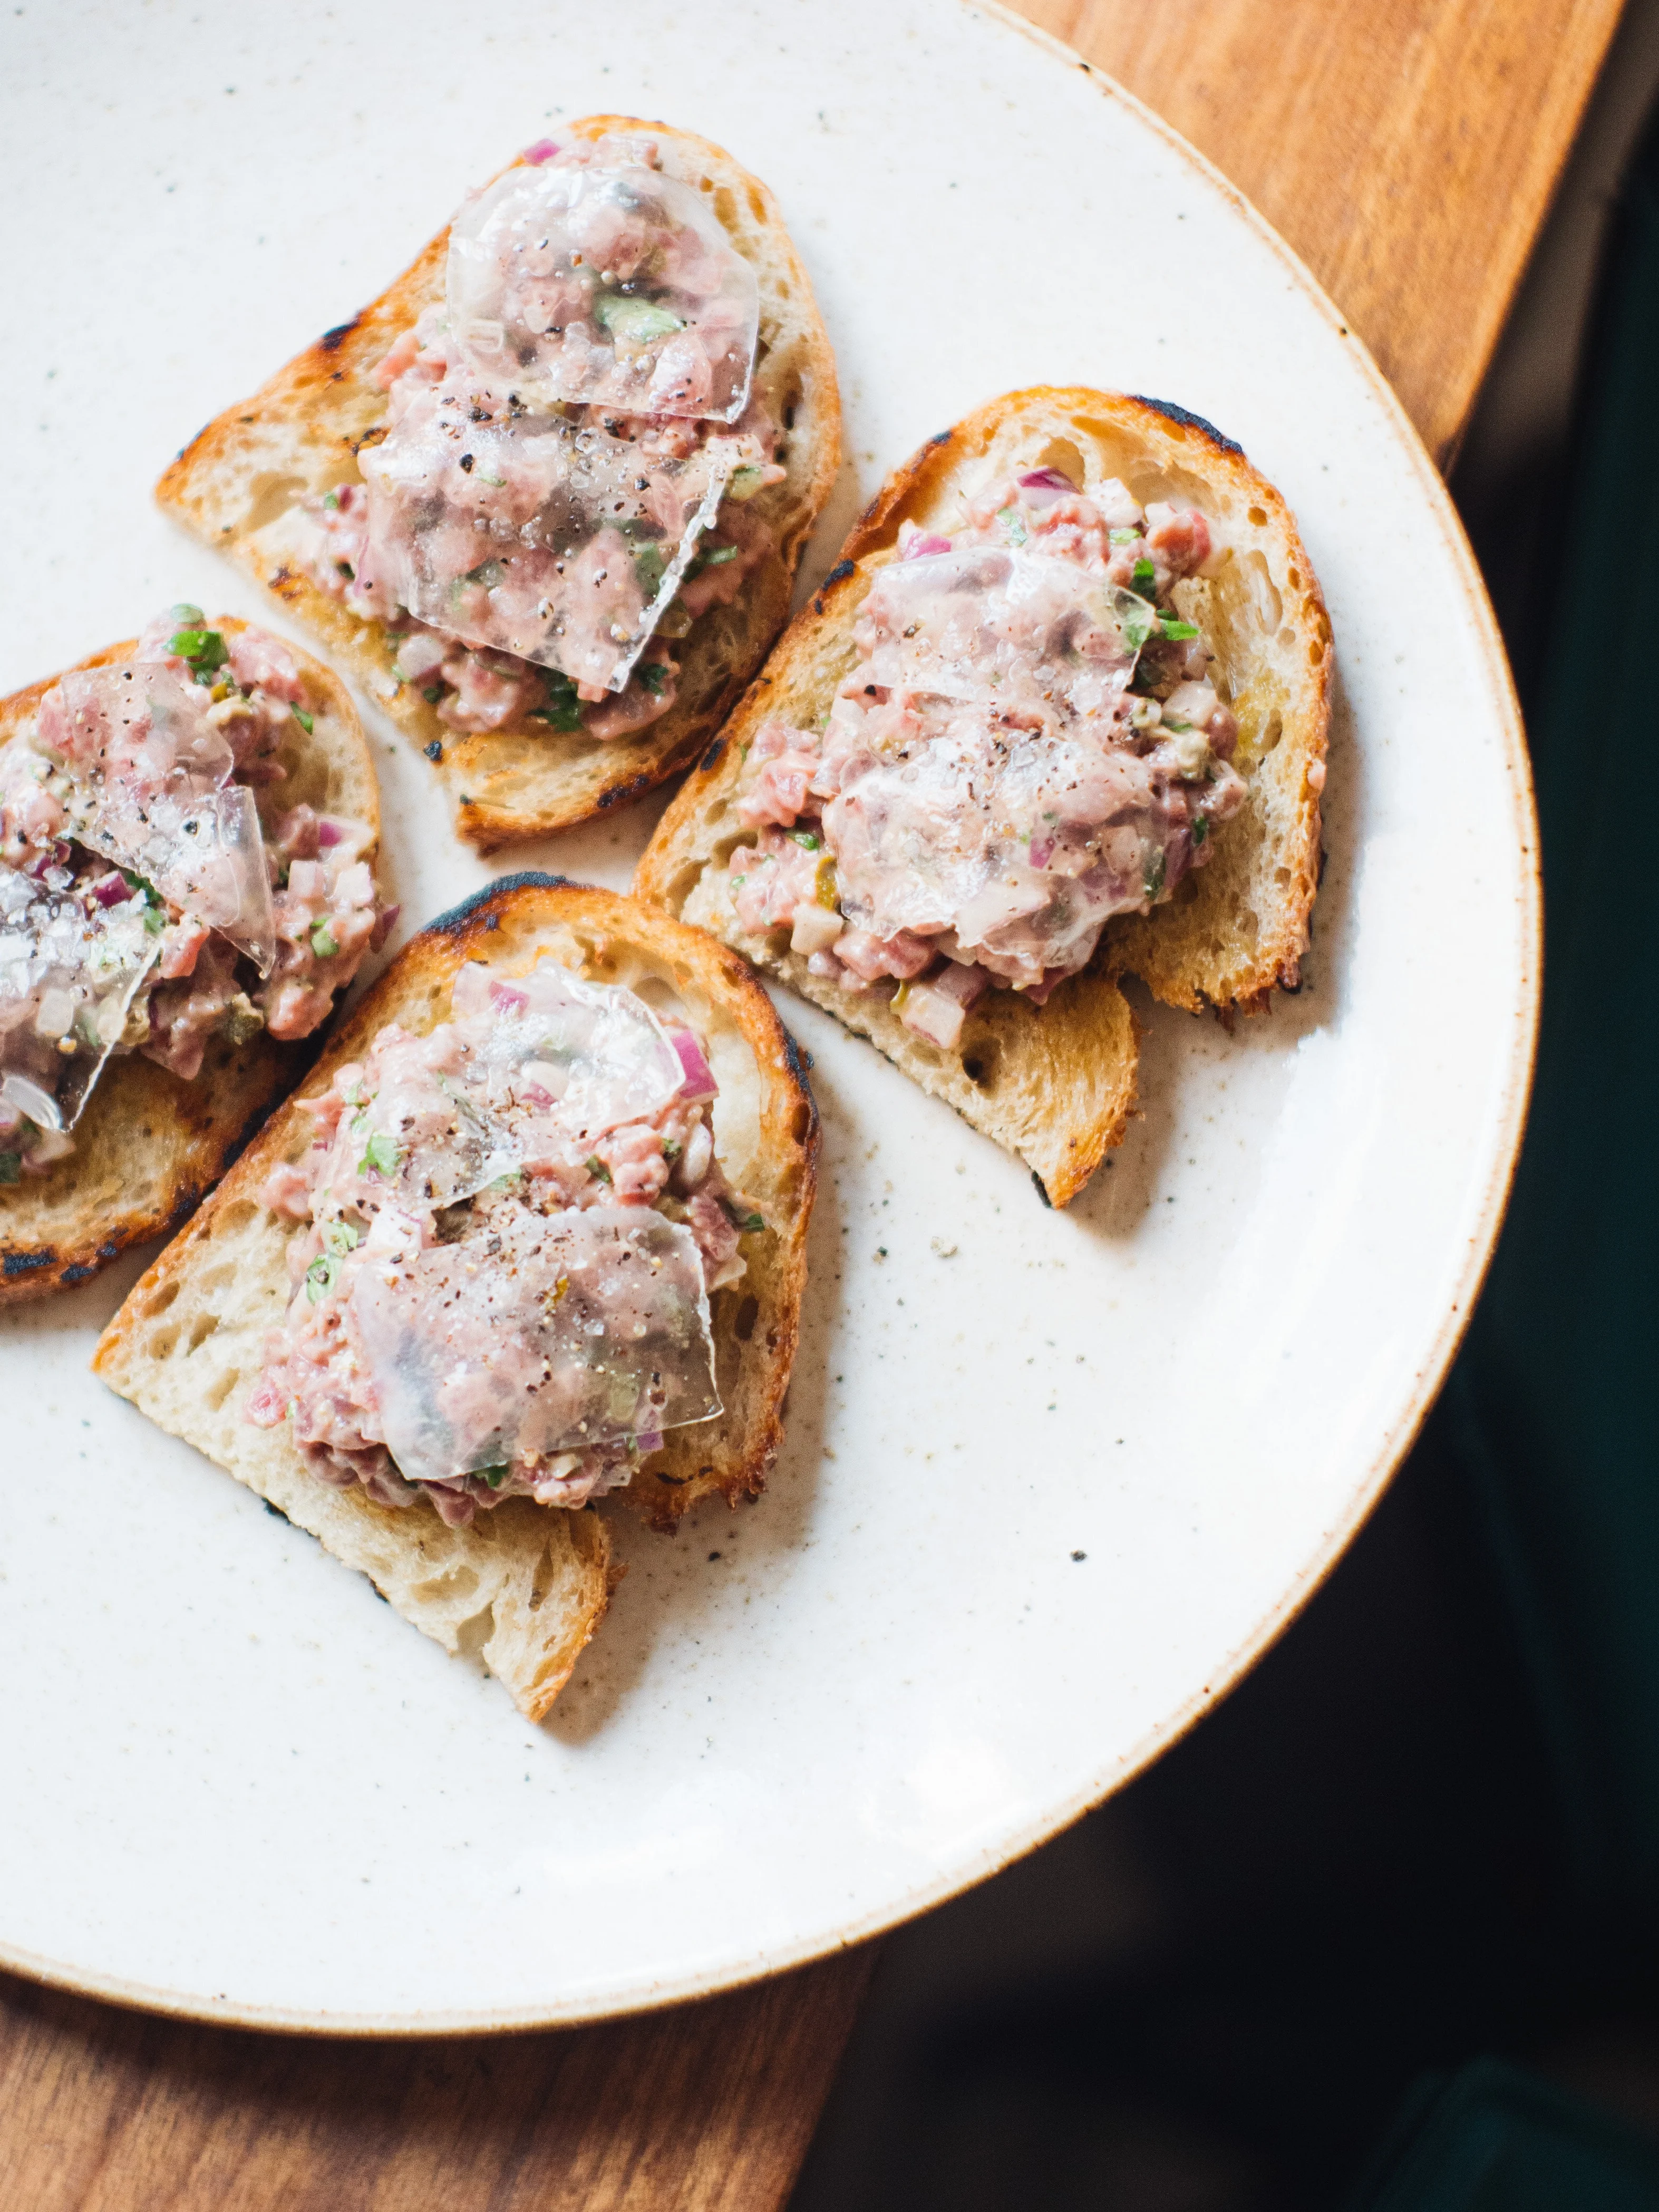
787	1957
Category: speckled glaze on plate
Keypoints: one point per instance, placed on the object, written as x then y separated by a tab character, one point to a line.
1053	1480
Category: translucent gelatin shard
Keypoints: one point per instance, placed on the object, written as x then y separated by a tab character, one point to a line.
141	726
153	793
558	539
965	620
69	974
593	1050
589	1329
598	280
433	1145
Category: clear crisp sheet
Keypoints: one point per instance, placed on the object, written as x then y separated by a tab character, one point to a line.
582	1329
605	283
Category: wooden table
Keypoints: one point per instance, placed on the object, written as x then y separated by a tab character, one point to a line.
1408	150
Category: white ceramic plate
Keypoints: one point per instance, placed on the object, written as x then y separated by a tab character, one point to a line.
1052	1479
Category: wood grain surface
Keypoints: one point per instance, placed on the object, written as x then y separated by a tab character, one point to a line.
1408	150
706	2109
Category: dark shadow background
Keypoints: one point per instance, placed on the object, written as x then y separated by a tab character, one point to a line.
1401	1842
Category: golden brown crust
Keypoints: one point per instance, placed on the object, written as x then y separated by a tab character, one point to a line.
150	1144
300	433
188	1344
1063	1076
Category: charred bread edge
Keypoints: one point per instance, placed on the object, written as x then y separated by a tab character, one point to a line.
592	776
230	1100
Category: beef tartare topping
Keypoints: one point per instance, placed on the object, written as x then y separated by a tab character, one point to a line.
514	1226
153	893
1030	742
563	482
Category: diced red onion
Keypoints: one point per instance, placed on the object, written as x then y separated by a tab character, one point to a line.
327	833
507	1001
933	1015
1043	487
421	655
542	150
699	1076
964	981
1041	851
650	1441
112	891
924	543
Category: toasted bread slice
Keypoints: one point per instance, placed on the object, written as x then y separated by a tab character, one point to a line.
149	1143
300	433
1055	1084
525	1585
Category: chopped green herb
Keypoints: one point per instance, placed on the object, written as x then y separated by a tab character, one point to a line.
324	943
346	570
1176	632
432	692
671	1148
495	1476
340	1237
563	710
1153	879
750	1222
649	569
307	722
380	1153
1201	828
11	1167
507	1181
717	556
596	1166
653	675
487	573
495	484
1143	578
1009	517
186	616
205	649
744	482
634	322
319	1277
805	837
331	501
1123	537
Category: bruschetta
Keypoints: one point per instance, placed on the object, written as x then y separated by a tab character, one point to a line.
532	1235
1057	716
546	497
189	829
